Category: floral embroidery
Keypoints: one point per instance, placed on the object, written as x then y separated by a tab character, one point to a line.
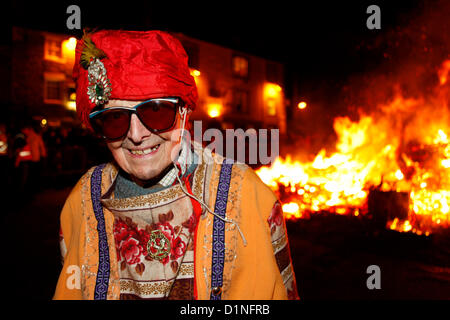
178	248
276	217
281	250
123	232
131	241
131	250
190	224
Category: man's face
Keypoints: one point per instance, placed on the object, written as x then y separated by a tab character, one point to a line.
141	153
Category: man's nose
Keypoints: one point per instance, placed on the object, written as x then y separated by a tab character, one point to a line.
137	131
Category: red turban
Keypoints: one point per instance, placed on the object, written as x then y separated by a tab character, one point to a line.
139	65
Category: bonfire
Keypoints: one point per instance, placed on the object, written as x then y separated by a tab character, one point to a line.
403	147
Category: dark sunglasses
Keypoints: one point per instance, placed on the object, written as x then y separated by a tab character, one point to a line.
157	115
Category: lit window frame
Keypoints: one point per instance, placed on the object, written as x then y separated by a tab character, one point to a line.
237	74
54	77
47	52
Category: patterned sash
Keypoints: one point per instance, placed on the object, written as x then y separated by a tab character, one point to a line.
218	245
102	281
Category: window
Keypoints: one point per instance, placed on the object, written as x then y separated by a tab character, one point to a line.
272	94
53	49
54	92
240	66
240	101
271	107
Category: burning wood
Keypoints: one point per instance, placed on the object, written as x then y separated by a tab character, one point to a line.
404	167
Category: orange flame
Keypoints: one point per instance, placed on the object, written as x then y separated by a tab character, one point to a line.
443	72
374	153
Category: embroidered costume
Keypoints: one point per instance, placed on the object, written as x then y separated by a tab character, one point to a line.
209	229
260	270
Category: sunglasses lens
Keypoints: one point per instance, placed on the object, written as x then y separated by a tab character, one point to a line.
158	115
112	124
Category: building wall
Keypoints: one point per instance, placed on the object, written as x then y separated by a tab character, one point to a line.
218	84
5	68
31	68
27	68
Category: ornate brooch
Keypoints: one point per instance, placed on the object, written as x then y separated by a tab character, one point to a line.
158	246
99	89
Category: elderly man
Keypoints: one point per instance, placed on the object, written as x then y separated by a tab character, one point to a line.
166	219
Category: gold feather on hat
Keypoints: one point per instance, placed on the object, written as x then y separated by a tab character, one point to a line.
90	51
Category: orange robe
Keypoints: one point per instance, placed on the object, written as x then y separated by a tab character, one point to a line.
260	270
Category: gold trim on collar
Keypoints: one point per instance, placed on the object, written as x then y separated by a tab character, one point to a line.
145	201
155	199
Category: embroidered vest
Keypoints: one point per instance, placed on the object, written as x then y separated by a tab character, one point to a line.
155	250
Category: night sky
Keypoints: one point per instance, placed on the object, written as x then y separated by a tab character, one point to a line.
302	33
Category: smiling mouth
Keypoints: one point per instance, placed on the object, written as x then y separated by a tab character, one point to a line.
143	152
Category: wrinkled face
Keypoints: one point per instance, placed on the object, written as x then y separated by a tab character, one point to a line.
143	154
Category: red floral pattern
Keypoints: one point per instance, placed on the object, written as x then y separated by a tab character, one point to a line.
178	248
61	236
131	250
131	241
276	217
190	224
123	232
283	258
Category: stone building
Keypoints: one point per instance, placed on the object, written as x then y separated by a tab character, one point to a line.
41	82
238	89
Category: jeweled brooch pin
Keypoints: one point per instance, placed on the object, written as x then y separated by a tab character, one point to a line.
99	88
158	246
